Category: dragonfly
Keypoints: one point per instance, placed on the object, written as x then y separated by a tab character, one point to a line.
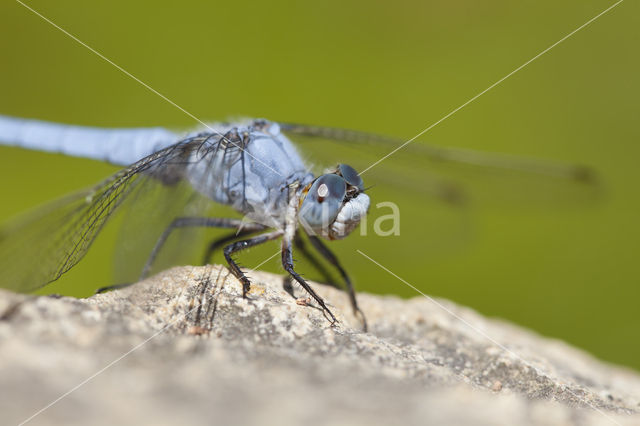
251	166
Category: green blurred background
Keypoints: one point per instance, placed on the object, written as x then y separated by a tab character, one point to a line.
548	255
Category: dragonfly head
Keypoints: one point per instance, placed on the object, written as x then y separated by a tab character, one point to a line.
334	203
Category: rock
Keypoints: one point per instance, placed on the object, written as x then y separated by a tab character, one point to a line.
185	348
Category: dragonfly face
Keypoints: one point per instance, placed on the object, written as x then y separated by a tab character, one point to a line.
334	204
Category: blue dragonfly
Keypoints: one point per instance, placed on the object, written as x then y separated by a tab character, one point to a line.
251	166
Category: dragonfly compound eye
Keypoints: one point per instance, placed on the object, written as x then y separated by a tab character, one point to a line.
351	176
322	203
323	191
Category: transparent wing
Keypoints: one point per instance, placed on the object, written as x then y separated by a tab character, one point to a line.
28	243
452	174
41	246
470	157
444	197
151	209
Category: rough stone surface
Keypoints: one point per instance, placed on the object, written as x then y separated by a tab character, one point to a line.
185	348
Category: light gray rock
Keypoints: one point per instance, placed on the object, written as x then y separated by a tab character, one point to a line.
185	348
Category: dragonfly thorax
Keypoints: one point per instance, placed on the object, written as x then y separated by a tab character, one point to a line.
248	167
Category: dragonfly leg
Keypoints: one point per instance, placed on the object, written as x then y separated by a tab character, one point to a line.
220	242
332	259
184	222
241	245
288	237
287	263
302	248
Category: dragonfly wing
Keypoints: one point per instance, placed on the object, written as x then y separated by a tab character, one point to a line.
39	247
150	211
36	248
447	154
452	174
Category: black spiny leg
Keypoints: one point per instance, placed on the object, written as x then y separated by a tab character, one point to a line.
331	258
302	248
241	245
220	242
287	263
184	222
